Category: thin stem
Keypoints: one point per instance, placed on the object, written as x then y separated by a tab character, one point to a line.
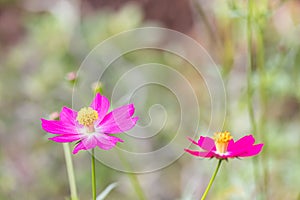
132	177
137	187
203	17
70	171
250	88
250	67
264	106
211	180
93	176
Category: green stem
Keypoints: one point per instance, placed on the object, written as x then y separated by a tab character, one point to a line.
137	187
205	20
250	88
264	107
93	176
70	172
211	180
250	66
132	177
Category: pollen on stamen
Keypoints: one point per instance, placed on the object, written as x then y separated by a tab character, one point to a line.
87	116
221	141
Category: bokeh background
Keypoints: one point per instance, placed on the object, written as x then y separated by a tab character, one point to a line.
41	41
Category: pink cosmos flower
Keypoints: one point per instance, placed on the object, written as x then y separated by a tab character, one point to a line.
91	126
222	146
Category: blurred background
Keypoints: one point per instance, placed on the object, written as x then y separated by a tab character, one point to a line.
42	41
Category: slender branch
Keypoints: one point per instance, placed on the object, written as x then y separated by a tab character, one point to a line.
70	171
211	180
250	88
206	22
264	105
93	175
250	67
133	178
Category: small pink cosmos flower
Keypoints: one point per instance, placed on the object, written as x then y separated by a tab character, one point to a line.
222	146
92	126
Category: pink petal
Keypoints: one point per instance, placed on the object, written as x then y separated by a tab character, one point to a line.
67	138
119	120
119	126
244	147
254	150
101	105
243	143
68	116
78	147
204	154
193	141
58	127
207	143
122	112
107	142
101	140
89	142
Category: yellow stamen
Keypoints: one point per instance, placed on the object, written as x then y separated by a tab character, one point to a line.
87	117
221	141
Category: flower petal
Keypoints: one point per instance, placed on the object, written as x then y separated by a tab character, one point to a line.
254	150
122	112
78	147
118	120
67	138
101	140
101	105
193	141
58	127
242	144
119	126
89	142
68	116
244	147
207	143
107	142
204	154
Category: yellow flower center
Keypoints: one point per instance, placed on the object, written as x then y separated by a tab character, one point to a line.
87	116
221	141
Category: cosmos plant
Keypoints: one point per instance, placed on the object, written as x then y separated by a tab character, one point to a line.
91	127
223	147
